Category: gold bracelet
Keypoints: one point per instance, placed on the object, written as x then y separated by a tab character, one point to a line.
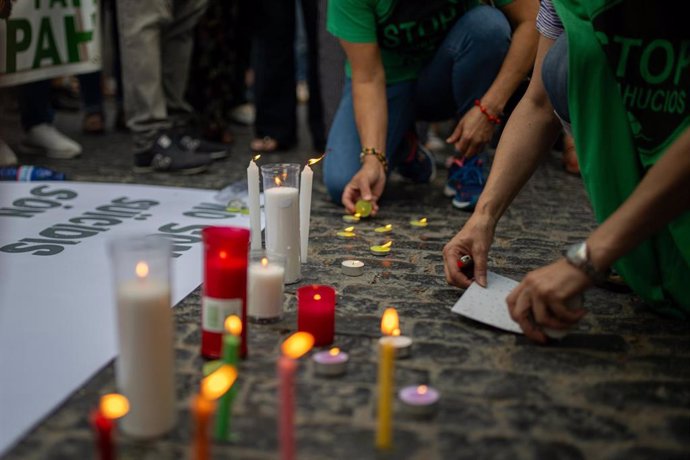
371	151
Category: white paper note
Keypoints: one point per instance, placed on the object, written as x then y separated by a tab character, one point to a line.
488	305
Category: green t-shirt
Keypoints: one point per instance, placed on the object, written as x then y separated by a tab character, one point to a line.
407	31
628	93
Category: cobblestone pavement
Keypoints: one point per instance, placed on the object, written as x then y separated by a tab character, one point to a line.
618	388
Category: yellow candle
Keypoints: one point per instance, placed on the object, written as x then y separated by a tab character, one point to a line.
381	250
352	218
348	232
419	223
384	229
384	422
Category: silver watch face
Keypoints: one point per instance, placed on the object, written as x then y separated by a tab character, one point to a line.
577	254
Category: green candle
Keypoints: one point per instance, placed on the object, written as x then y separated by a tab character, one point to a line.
230	353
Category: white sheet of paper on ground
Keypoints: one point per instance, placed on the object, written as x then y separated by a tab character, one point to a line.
488	305
57	318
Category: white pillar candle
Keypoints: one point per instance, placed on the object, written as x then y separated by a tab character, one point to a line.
265	290
144	367
281	205
254	207
306	180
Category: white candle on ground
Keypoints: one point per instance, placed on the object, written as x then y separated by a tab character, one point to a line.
265	290
144	367
306	179
281	205
353	267
254	206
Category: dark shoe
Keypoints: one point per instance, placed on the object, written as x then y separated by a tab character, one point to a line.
420	164
456	172
268	144
468	180
215	150
93	123
166	156
120	122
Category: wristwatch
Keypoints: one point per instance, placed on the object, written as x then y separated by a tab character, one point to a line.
577	255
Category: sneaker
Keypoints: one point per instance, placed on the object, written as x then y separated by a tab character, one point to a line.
419	165
469	183
455	172
44	138
166	156
7	156
215	150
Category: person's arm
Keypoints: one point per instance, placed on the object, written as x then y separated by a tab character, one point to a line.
474	130
529	134
371	117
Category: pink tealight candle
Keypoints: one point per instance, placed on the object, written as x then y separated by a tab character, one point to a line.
419	400
330	362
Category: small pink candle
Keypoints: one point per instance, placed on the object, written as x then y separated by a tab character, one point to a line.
330	362
419	400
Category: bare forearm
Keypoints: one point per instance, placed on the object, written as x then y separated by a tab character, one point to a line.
371	112
662	195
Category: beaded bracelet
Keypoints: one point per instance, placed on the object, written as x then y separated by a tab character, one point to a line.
371	151
495	119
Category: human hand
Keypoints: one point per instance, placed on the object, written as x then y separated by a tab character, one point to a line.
540	300
367	184
474	239
472	133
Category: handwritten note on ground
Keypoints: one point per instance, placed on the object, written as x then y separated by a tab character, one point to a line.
488	305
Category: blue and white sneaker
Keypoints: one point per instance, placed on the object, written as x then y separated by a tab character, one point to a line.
419	165
467	180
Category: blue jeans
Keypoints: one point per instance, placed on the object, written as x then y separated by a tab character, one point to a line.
462	69
554	74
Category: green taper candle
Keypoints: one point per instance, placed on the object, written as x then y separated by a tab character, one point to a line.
230	353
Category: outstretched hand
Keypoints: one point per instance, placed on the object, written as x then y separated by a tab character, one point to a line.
540	300
472	133
367	184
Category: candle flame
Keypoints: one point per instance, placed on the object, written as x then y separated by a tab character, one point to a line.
218	382
317	296
297	344
264	262
223	255
349	229
233	325
396	331
113	406
142	269
422	389
387	245
388	226
313	161
357	215
278	181
389	321
334	351
422	220
256	157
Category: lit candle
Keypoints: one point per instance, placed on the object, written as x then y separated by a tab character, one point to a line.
281	205
254	206
144	368
419	223
354	218
330	362
348	232
353	267
316	312
363	208
292	348
111	407
419	400
231	344
225	286
381	250
385	229
386	376
265	290
204	404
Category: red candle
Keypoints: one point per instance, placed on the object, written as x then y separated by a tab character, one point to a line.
316	312
103	427
225	286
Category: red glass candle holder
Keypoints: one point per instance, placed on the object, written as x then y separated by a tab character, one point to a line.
225	286
316	312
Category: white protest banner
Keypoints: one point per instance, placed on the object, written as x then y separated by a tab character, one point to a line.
49	38
57	307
